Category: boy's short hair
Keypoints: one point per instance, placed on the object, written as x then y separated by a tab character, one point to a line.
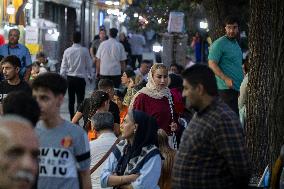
51	81
13	60
105	83
22	104
231	20
40	55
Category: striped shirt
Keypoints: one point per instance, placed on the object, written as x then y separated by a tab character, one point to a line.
212	151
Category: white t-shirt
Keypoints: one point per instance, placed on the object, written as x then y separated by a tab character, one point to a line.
110	53
99	148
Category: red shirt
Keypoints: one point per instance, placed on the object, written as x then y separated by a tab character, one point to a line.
158	108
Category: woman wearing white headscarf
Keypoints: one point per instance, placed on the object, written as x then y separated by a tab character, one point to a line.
156	100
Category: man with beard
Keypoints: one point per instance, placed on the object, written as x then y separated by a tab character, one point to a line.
19	50
19	150
212	152
225	59
11	69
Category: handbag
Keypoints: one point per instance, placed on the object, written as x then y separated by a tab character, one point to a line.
93	169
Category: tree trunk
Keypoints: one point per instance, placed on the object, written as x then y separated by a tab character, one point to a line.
276	108
264	130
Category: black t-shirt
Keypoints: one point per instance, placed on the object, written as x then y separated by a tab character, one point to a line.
85	109
6	88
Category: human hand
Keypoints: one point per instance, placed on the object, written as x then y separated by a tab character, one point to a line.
173	126
229	82
132	177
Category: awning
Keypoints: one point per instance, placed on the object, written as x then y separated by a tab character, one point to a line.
68	3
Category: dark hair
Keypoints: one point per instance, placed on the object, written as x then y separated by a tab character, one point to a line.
113	32
14	29
118	93
105	83
145	61
129	73
51	81
77	37
98	98
22	104
176	81
13	60
102	121
231	20
146	133
40	55
201	74
36	63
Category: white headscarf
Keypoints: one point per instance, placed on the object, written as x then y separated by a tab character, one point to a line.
152	90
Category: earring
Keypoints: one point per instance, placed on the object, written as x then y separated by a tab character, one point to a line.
134	131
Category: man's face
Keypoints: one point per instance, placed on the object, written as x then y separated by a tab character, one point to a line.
174	69
102	35
48	102
42	60
191	95
144	68
232	30
18	156
9	71
13	37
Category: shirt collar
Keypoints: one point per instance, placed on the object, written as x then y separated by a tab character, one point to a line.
106	135
76	45
17	46
213	104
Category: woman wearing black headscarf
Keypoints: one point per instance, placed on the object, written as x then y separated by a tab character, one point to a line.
136	161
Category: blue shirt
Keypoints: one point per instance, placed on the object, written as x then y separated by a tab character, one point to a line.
149	173
228	55
21	52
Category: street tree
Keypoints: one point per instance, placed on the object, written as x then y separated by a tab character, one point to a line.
265	131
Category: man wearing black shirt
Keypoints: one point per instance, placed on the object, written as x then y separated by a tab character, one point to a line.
11	68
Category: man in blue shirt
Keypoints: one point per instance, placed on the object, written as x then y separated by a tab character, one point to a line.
225	59
22	52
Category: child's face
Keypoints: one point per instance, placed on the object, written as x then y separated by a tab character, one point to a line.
117	100
48	102
35	69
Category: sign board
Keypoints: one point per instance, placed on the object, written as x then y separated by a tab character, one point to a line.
68	3
176	22
31	36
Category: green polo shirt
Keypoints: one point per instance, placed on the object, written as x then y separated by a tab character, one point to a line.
228	55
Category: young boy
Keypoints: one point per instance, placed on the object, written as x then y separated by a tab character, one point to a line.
64	147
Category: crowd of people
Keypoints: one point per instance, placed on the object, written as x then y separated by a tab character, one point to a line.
145	125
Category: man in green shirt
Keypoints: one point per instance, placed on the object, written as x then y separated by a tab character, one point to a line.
225	59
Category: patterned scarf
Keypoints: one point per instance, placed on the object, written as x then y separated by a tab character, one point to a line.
152	90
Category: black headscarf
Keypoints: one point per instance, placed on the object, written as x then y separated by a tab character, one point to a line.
146	135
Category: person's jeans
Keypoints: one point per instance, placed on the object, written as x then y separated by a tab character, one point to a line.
230	97
76	87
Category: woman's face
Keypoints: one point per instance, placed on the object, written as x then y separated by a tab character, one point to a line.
128	128
161	78
124	79
117	100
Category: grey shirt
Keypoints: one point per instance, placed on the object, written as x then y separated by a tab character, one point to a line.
64	150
